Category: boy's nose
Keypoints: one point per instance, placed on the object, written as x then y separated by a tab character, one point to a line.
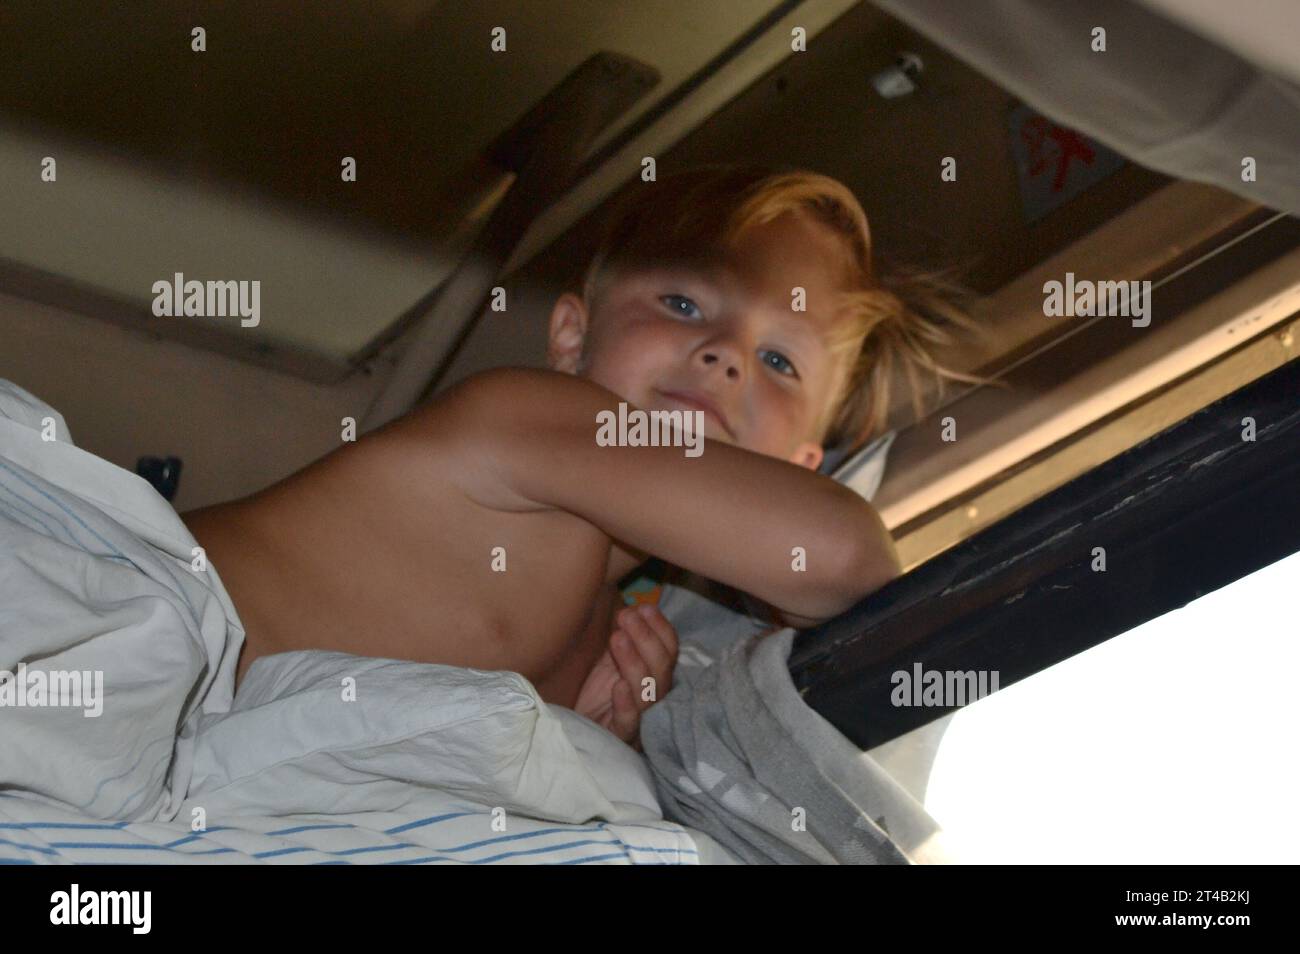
725	357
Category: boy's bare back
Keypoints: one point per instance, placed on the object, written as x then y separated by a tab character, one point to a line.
389	547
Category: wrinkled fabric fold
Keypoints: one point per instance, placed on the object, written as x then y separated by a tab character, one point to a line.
736	754
97	578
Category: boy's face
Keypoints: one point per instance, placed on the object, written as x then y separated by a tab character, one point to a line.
726	337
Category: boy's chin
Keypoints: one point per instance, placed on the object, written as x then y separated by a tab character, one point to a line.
714	432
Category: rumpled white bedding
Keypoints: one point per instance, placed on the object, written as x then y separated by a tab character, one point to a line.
323	757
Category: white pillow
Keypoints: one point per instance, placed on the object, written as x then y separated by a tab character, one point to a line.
317	732
866	469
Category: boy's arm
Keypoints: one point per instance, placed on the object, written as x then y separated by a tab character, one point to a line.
729	514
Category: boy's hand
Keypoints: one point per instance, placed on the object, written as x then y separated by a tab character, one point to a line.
643	644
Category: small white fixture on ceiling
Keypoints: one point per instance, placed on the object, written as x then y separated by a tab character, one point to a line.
898	79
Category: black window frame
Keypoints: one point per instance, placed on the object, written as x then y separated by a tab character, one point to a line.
1185	512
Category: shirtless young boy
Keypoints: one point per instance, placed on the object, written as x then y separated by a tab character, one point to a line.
385	547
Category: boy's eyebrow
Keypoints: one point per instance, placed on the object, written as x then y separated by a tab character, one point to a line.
802	327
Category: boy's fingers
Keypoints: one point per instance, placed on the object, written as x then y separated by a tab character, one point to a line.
658	645
648	645
626	716
628	658
648	618
659	625
668	639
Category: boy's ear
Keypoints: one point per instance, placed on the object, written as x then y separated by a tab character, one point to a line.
808	454
567	334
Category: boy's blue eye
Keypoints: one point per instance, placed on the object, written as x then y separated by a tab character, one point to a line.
784	361
675	302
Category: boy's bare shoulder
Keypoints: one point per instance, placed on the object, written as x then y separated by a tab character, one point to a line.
491	402
482	419
524	390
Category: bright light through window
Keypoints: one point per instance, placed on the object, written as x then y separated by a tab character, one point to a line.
1174	742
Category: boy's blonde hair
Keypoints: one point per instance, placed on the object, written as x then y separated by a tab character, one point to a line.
893	320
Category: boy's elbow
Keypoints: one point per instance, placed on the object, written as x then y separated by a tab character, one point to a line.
880	562
867	561
871	562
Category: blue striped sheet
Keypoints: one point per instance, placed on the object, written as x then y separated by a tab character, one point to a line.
434	839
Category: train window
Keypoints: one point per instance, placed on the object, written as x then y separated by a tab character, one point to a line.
1172	743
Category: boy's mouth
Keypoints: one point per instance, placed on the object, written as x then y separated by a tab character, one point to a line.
699	402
